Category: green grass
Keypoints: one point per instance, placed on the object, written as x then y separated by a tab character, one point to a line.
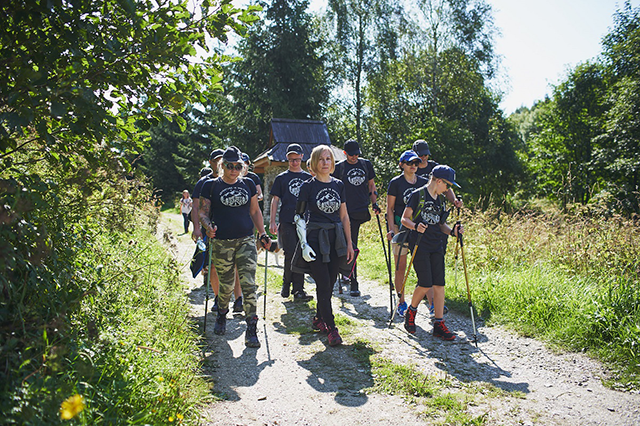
570	280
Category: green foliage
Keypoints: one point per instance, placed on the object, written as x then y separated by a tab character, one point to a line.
583	142
90	305
88	74
280	75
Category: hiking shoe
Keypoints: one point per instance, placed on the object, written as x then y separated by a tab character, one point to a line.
440	330
301	296
432	310
237	305
334	337
410	320
319	325
355	292
402	308
286	290
214	308
221	323
251	336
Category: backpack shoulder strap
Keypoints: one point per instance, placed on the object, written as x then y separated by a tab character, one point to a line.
213	185
421	201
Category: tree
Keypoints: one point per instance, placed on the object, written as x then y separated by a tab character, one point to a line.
78	74
280	75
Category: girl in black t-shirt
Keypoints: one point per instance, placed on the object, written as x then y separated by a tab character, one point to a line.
398	192
326	238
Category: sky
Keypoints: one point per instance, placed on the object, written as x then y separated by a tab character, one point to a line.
541	40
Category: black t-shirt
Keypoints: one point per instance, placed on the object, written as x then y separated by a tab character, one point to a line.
430	214
356	179
230	207
427	170
286	186
323	199
401	189
254	177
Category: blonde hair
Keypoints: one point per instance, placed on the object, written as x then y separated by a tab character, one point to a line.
315	158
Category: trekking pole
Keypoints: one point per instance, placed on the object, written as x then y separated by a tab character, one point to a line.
266	258
466	277
388	260
406	274
206	286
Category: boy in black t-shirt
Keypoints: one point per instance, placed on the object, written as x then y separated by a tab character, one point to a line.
358	175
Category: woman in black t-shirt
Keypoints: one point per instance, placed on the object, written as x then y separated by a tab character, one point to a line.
326	238
228	212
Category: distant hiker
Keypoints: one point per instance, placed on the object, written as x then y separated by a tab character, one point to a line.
186	204
325	240
229	211
421	147
251	175
426	214
398	192
214	160
284	191
358	175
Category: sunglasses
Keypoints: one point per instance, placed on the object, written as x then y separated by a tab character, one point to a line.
412	163
231	166
447	184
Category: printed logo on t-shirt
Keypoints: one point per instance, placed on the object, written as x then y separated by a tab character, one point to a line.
356	177
328	201
407	194
234	196
294	186
430	213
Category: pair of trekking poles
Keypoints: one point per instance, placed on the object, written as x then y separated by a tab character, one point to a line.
459	244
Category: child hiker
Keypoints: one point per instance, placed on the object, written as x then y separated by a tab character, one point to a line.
426	214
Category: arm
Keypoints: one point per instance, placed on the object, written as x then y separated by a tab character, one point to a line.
256	215
407	214
203	212
373	196
259	192
344	218
393	228
452	198
272	215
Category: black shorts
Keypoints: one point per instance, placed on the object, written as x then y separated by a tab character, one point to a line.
429	268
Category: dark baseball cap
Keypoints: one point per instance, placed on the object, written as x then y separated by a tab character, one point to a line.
232	155
409	156
294	148
216	153
421	147
352	147
245	158
446	173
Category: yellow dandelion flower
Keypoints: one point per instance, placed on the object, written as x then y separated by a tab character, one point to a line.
160	378
71	406
170	419
179	416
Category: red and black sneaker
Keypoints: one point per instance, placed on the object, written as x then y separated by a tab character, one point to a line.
410	320
319	325
440	330
334	337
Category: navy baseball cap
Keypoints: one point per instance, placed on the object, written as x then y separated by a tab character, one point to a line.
409	156
421	147
446	173
294	148
245	158
351	147
216	153
232	155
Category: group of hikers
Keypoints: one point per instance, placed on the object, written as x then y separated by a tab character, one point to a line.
317	216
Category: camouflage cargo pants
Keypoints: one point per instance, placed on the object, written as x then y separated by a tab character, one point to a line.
226	255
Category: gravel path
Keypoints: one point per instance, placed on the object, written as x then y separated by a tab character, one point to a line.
295	378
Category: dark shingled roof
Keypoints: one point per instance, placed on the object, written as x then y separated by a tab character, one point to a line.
307	133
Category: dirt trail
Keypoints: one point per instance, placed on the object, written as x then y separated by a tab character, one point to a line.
296	379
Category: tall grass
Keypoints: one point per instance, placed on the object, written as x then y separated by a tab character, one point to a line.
571	279
93	318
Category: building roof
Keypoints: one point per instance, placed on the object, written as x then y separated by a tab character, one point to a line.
284	131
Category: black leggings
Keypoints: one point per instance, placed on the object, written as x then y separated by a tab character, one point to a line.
325	275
